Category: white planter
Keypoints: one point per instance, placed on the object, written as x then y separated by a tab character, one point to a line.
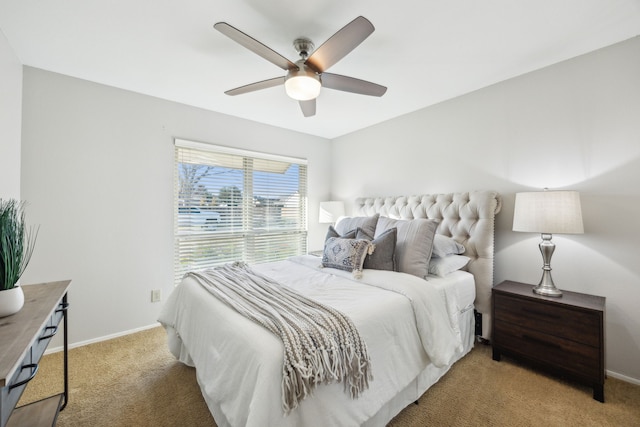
11	301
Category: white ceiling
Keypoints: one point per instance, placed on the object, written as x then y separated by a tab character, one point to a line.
424	51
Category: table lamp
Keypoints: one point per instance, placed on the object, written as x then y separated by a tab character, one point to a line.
548	213
330	212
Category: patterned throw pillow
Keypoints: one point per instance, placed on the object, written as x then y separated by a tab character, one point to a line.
346	254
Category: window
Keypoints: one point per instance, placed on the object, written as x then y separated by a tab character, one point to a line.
235	205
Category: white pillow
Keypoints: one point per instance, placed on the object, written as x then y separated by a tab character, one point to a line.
443	246
447	265
414	243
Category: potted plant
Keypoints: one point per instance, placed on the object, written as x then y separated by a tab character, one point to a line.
16	246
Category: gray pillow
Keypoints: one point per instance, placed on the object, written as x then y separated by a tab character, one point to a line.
367	223
346	254
331	232
443	246
384	253
414	243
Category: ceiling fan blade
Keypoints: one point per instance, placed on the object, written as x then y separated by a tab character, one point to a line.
264	84
255	46
350	84
308	107
340	44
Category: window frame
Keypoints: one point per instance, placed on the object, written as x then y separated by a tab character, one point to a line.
295	238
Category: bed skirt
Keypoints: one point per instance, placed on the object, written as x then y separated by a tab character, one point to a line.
428	377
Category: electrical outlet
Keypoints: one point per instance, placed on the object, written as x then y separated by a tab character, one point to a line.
156	295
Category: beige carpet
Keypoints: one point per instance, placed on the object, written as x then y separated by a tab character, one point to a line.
135	381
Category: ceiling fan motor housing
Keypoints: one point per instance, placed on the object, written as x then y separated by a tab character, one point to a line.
303	46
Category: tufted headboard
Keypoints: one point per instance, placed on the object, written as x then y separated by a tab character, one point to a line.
467	217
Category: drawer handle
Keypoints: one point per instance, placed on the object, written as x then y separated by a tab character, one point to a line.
48	328
64	306
538	313
33	366
540	341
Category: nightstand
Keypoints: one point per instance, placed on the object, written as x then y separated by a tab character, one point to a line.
563	335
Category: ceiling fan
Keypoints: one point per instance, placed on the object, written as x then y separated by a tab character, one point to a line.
308	75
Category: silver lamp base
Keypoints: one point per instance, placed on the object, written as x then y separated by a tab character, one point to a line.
547	290
546	286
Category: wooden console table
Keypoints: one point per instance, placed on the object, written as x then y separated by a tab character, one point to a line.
24	337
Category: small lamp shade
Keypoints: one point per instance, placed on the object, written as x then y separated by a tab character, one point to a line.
548	212
330	212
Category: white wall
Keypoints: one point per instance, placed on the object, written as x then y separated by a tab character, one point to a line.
10	120
98	173
574	125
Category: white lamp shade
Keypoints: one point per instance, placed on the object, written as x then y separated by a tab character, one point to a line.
548	212
330	212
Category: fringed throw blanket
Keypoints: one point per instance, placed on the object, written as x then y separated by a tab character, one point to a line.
321	345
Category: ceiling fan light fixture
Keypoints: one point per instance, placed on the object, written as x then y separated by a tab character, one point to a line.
302	84
305	77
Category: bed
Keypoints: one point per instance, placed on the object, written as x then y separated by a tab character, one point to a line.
414	329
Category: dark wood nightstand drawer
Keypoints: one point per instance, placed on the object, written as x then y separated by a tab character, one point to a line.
579	359
565	322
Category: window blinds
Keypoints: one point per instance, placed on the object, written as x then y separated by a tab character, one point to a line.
233	205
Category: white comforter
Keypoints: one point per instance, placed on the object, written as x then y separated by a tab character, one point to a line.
239	363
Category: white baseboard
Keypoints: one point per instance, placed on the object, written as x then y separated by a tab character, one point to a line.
623	377
104	338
